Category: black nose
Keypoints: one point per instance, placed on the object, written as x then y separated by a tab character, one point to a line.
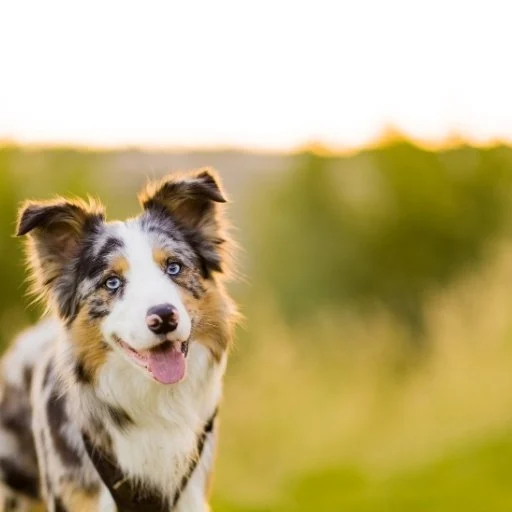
162	319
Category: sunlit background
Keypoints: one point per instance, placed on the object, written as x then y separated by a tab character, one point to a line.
365	146
266	74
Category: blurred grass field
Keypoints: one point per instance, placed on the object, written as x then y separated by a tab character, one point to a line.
371	429
373	371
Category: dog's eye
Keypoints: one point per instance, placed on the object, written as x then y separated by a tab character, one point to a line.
173	268
113	283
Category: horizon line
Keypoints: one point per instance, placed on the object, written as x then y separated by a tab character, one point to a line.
386	138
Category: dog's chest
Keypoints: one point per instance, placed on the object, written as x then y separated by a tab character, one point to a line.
156	456
159	445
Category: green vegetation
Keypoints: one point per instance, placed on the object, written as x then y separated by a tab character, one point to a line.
373	372
384	226
476	479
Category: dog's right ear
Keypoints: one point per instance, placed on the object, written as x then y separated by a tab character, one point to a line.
55	230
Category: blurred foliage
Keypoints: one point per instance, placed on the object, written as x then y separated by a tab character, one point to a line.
385	227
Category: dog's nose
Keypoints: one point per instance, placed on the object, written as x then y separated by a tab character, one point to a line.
162	319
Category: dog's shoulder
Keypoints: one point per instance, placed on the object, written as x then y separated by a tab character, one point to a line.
18	461
27	349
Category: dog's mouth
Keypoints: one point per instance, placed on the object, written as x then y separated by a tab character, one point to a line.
165	363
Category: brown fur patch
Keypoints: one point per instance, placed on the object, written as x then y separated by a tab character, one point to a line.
79	500
160	256
216	314
120	266
91	349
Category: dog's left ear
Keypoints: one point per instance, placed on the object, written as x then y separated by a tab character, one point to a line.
192	202
56	230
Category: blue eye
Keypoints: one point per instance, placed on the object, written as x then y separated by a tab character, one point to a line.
173	268
113	283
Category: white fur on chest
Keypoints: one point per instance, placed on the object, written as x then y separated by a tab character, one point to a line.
157	449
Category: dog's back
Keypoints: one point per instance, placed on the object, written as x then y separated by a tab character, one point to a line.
18	461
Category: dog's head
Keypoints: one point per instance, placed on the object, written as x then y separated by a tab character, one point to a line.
142	289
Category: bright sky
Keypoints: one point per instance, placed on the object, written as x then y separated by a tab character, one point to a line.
263	74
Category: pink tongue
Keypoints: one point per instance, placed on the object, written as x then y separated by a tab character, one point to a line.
167	365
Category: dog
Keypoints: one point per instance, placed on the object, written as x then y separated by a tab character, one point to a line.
111	403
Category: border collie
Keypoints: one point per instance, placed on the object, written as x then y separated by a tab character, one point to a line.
112	405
